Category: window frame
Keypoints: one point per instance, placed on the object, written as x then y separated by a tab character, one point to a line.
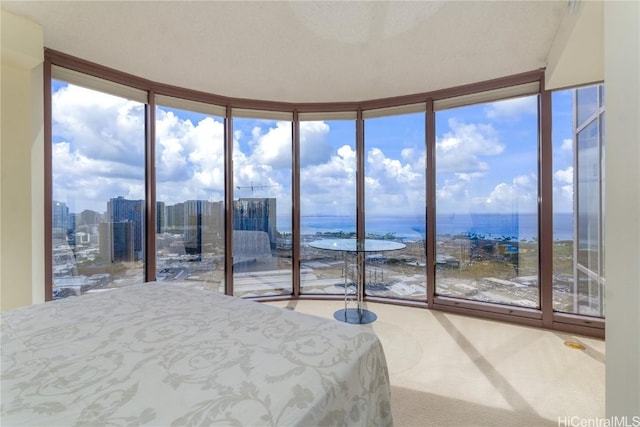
501	88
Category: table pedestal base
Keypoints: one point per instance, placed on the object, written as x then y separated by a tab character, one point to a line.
355	315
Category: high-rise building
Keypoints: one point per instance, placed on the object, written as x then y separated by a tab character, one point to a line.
161	217
60	215
117	241
120	209
89	217
203	220
257	214
175	218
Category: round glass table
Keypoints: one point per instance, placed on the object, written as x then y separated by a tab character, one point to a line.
352	246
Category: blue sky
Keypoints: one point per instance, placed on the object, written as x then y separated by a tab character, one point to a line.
486	157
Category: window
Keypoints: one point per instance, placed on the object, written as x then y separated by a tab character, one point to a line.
578	177
262	224
395	204
223	183
98	235
190	194
327	201
487	202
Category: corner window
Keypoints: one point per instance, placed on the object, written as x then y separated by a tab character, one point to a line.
578	158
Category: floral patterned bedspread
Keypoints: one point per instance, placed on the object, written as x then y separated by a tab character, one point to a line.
168	355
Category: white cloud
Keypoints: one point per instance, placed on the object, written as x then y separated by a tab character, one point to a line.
460	150
99	153
466	181
463	193
190	158
273	148
468	177
521	195
564	176
314	147
98	125
563	190
170	151
563	153
389	171
329	188
392	186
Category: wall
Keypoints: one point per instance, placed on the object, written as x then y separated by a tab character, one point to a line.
622	217
577	53
601	40
21	163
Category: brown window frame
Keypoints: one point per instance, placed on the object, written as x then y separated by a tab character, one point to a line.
544	317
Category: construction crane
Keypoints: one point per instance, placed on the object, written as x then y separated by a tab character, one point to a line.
254	187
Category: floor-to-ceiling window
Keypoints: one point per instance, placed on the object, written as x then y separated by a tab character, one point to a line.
262	203
97	183
486	159
578	201
190	189
241	193
327	199
395	201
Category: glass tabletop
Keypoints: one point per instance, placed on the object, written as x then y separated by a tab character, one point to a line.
351	245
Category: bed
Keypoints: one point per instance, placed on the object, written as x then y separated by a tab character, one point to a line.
167	354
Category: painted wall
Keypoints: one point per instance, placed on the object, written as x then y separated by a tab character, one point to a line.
601	41
622	217
577	53
21	163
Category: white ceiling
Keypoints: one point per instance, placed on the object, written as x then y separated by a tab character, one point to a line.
304	51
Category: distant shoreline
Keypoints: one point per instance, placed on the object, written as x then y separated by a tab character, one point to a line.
491	226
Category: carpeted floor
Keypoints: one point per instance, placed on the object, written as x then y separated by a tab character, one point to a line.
452	370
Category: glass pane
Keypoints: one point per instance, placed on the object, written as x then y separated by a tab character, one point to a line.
190	197
563	203
578	264
486	202
587	104
589	197
262	156
395	205
603	188
327	201
589	297
98	190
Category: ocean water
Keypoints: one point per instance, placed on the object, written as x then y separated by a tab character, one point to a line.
517	227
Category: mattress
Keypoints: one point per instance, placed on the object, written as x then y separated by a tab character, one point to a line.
169	354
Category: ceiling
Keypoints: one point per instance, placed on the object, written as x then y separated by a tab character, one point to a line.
304	51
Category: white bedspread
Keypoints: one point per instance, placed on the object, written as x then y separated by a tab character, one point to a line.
167	355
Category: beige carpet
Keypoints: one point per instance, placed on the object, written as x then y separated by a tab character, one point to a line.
452	370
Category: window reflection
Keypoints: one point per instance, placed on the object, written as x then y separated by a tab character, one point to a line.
486	202
190	197
395	205
486	191
262	225
98	202
578	279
